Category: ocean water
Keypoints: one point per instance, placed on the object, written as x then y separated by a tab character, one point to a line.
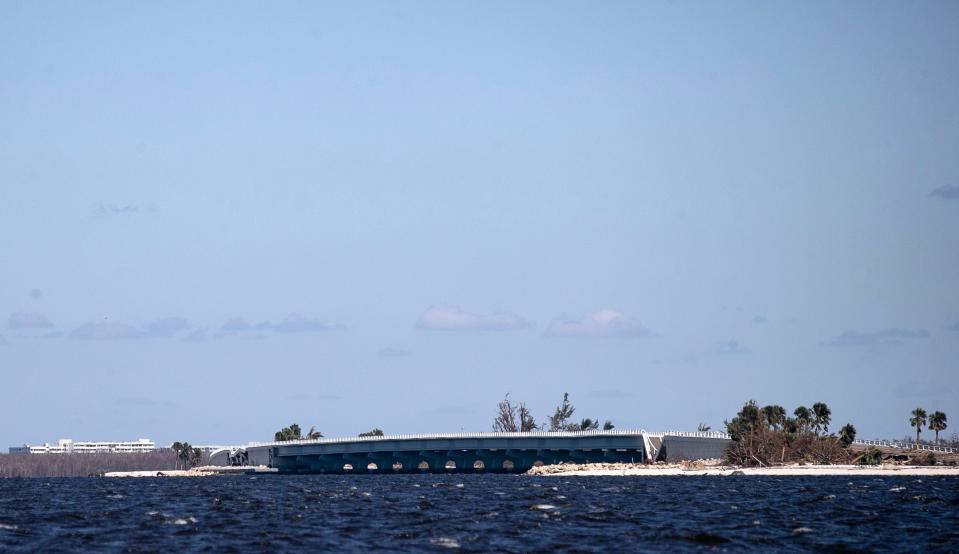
508	513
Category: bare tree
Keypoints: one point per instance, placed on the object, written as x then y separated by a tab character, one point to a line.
526	421
505	421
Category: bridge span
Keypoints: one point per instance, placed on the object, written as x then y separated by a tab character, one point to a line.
472	452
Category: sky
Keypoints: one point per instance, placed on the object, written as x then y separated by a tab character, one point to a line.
220	218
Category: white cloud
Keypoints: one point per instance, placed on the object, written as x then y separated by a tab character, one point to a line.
946	192
28	320
886	336
166	327
733	347
106	331
602	324
455	319
293	323
297	323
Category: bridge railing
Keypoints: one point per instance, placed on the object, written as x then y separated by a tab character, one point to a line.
907	446
490	434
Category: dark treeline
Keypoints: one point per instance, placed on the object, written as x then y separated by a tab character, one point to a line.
83	465
293	433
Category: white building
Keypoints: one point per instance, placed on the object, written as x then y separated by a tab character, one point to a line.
69	446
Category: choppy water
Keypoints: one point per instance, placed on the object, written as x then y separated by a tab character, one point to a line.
481	513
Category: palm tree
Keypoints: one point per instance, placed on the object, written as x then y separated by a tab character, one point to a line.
917	420
185	454
177	447
314	434
803	418
775	416
847	434
703	428
196	455
608	426
588	425
937	422
822	416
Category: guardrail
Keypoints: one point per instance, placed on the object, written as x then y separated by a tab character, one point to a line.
907	446
488	435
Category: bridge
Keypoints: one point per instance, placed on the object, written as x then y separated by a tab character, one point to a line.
472	452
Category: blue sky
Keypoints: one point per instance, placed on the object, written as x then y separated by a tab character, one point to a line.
219	219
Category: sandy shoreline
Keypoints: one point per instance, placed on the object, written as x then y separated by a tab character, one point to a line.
572	470
204	471
634	470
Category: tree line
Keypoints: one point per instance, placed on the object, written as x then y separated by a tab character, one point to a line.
88	464
294	433
766	435
516	417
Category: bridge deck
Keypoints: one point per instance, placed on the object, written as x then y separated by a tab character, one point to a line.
471	452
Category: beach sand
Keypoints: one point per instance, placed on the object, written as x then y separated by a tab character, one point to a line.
570	470
203	471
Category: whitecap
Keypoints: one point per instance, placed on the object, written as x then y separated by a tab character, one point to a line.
179	521
8	527
802	530
897	489
542	507
445	542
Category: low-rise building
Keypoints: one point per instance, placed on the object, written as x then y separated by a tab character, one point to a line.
70	446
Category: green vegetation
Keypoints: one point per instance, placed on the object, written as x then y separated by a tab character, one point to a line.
847	434
917	420
588	425
937	422
293	433
763	436
375	432
186	455
560	420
